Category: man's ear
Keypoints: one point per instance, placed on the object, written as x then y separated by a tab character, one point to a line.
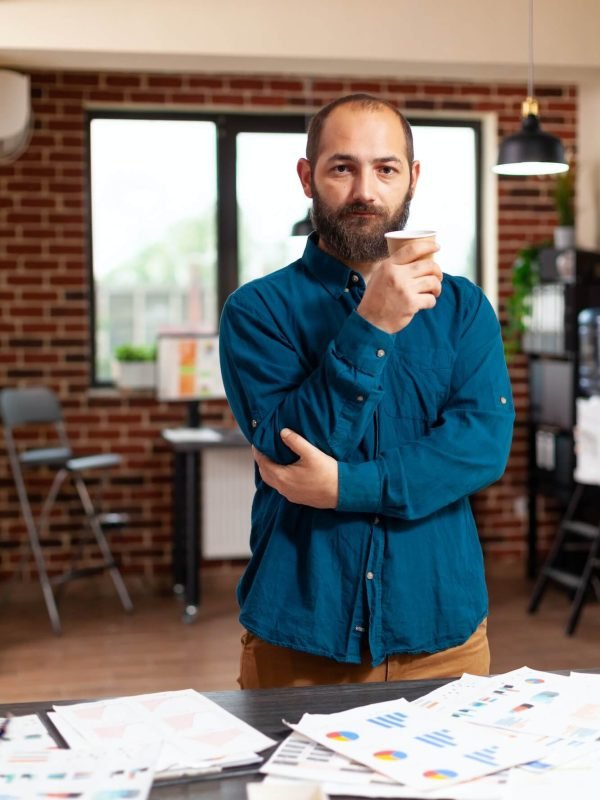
305	173
415	171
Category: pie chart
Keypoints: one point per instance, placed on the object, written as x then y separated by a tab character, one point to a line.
440	774
390	755
343	736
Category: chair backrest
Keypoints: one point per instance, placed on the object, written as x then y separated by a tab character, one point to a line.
35	405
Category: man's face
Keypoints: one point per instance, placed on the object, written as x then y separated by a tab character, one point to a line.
361	185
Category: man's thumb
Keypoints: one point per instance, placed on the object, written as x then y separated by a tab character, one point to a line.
295	442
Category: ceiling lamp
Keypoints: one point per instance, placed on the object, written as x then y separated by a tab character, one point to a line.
531	151
304	226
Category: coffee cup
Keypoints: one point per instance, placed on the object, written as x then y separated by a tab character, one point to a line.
396	240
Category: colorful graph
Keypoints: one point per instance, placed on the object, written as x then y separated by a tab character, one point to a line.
343	736
394	720
534	680
487	755
440	774
390	755
544	697
441	738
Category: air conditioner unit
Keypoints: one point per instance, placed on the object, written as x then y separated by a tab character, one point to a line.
15	114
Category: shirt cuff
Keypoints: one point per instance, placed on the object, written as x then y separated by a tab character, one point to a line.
363	345
359	487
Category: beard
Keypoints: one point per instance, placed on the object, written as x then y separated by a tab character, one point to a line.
358	239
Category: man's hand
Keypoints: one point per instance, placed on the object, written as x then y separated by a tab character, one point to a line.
310	481
399	289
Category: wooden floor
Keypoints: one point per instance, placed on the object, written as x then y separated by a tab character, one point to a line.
105	652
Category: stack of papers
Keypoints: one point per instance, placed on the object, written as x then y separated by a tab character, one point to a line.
101	775
193	734
476	738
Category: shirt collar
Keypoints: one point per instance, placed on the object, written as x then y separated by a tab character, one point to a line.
335	276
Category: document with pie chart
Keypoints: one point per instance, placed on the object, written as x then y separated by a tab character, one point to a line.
415	746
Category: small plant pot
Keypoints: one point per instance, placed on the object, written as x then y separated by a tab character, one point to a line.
564	237
135	374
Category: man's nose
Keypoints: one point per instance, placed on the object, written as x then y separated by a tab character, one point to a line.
363	187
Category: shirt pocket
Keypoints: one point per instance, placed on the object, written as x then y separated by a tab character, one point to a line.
417	382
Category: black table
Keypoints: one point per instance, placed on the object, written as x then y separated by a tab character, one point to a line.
264	709
187	444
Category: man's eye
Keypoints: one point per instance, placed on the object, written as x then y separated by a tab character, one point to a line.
387	170
340	168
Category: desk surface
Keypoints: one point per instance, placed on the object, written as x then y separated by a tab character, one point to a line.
264	710
192	439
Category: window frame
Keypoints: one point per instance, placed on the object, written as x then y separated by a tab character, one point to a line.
228	125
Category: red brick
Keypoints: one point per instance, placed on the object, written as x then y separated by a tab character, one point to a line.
246	83
208	83
165	81
327	86
123	80
265	100
148	97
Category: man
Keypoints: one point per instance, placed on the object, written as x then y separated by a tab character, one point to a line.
377	400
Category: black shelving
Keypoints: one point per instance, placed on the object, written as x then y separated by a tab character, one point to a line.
569	283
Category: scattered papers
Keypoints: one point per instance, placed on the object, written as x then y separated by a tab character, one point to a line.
421	748
277	789
66	773
184	435
520	730
196	734
26	733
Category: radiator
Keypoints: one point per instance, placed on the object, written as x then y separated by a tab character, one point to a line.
227	492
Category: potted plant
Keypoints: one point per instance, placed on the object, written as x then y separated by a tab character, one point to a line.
525	277
564	202
134	366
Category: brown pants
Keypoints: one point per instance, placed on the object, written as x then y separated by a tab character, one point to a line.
266	666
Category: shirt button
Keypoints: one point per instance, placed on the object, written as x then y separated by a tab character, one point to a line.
254	423
355	279
376	520
380	353
370	576
359	398
503	400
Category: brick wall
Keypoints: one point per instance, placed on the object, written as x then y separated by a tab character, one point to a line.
44	285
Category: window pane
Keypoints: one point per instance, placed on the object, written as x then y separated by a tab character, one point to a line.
270	199
154	194
446	196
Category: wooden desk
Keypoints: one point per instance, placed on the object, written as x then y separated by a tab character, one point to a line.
264	709
187	444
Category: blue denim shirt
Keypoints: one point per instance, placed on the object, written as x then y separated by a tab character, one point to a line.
418	421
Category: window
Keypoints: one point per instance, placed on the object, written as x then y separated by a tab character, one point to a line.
185	208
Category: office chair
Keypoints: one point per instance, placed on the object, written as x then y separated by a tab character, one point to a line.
40	407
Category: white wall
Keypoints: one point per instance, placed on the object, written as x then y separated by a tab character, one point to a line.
443	37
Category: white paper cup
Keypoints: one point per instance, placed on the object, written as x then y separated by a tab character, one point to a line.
396	240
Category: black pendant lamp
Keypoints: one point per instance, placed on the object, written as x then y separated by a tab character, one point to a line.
303	227
531	151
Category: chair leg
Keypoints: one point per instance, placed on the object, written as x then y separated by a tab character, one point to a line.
36	549
92	519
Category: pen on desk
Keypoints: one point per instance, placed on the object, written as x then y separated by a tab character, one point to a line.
4	726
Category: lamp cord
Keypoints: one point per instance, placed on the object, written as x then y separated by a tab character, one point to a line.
530	70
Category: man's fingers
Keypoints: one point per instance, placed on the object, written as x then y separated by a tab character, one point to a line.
296	443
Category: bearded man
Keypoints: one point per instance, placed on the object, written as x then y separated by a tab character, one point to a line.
376	398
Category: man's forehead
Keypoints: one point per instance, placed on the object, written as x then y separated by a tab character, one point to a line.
350	119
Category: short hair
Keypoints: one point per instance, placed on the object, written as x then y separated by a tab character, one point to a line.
366	101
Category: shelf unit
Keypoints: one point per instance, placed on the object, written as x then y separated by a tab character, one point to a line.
569	283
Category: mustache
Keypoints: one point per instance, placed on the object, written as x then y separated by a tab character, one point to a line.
362	208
